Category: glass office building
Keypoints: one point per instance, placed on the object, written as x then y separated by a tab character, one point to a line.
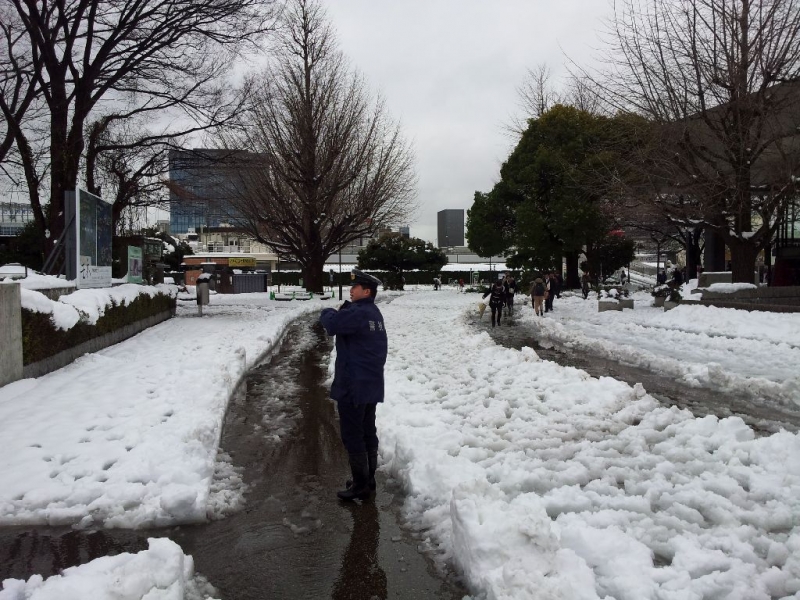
450	228
13	217
200	189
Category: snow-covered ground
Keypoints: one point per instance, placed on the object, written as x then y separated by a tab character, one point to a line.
537	480
749	352
162	572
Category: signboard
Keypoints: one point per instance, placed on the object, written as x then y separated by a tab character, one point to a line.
153	249
242	261
89	239
134	264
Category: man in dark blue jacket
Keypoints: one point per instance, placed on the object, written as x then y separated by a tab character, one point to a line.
361	348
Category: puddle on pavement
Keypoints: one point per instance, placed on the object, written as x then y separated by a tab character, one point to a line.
293	538
764	420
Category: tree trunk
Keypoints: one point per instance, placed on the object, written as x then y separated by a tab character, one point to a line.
66	152
313	276
693	257
743	260
714	259
691	244
573	280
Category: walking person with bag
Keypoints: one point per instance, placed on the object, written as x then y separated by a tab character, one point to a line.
497	299
538	290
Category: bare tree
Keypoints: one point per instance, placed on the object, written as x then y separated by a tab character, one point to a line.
538	93
128	166
156	54
584	95
325	164
718	77
21	156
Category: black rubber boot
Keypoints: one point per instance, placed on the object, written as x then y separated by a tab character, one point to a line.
372	458
359	467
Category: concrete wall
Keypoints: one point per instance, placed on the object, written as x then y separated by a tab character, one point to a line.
10	333
772	299
62	359
56	293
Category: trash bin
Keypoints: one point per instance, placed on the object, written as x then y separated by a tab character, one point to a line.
202	285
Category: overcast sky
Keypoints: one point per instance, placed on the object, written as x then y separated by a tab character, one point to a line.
449	70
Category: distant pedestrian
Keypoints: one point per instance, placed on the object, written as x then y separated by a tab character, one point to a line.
497	299
677	278
553	290
585	281
622	277
460	285
538	290
661	278
436	283
510	288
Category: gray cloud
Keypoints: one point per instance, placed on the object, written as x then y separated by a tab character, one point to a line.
448	70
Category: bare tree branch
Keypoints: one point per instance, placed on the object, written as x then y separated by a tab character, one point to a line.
90	56
325	164
721	80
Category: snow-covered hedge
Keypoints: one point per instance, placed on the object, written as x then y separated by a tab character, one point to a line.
51	326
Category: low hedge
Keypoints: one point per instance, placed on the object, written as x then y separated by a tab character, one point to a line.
41	339
411	277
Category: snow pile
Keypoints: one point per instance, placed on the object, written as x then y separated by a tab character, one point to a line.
35	280
730	288
162	572
127	437
748	352
540	481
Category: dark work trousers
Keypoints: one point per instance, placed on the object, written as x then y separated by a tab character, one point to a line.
357	424
548	303
497	312
510	305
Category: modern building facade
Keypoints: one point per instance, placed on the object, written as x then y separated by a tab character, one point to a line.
13	217
450	227
787	246
200	189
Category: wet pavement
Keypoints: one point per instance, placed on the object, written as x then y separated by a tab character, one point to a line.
764	419
292	538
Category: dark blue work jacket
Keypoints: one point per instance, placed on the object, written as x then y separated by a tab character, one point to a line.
361	349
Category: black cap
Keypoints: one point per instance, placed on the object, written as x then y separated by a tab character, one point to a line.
363	279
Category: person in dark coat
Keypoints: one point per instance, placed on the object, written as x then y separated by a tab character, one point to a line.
361	350
553	290
497	299
510	289
586	281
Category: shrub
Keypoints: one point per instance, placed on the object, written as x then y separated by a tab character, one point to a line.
660	291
